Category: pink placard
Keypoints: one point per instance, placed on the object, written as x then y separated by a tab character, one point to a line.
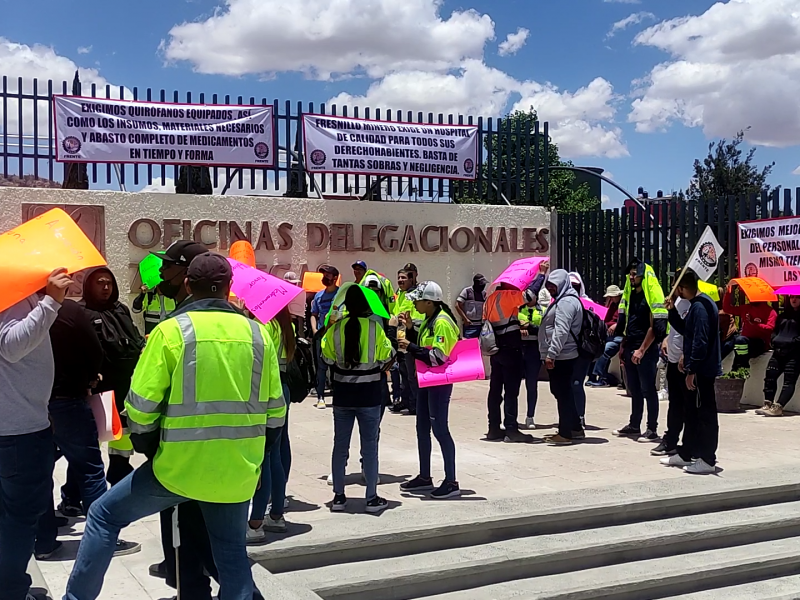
262	294
789	290
465	364
522	272
601	310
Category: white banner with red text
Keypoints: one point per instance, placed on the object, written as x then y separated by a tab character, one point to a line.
770	249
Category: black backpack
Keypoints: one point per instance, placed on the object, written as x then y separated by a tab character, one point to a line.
301	374
593	335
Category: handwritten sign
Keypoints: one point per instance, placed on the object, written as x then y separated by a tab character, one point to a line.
756	289
789	290
149	271
465	364
30	252
522	272
262	294
243	252
600	310
312	282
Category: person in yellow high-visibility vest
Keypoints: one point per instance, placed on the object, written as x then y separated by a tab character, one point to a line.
530	318
204	392
406	371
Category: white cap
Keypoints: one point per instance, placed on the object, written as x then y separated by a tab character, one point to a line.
371	281
544	297
291	277
427	290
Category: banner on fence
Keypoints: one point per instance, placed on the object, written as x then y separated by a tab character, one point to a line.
770	249
129	131
362	147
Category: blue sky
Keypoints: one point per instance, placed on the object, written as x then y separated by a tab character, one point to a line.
692	67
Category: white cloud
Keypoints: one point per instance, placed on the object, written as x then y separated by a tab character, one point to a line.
514	42
633	19
327	37
735	66
84	49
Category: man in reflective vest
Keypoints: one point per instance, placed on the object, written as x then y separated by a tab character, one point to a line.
643	325
203	394
155	306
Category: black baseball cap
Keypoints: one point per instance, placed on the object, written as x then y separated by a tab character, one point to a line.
182	252
480	280
210	270
329	269
411	267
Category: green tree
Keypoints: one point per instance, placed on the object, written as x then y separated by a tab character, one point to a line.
500	166
727	171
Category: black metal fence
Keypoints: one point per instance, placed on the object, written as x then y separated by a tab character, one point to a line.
599	245
27	148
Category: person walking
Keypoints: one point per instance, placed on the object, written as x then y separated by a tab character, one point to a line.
785	359
26	439
202	398
358	353
758	322
599	377
643	325
320	306
530	319
702	364
432	344
558	345
469	306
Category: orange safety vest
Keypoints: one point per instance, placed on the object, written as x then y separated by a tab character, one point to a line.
502	310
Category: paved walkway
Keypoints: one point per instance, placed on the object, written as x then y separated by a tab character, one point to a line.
485	470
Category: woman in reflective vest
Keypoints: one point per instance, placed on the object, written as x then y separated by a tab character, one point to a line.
432	344
358	352
530	318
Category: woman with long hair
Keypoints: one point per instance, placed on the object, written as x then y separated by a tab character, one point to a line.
277	454
358	352
432	344
785	359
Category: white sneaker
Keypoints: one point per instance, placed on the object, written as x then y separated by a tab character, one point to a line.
529	424
255	537
330	479
675	461
321	403
700	467
274	525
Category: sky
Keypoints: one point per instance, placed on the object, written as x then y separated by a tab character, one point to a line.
637	87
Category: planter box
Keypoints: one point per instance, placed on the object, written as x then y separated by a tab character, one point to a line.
729	395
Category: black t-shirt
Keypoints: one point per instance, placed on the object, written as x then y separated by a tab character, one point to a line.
638	318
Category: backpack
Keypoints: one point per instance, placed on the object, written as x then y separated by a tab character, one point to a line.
301	374
488	341
593	335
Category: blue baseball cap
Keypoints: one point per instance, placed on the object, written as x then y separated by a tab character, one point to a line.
359	263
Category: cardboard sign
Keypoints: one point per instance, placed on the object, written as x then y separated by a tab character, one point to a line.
465	364
106	417
30	252
243	252
756	289
263	294
149	271
521	273
600	310
789	290
312	282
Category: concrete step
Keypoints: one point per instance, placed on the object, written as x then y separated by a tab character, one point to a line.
654	579
780	588
407	577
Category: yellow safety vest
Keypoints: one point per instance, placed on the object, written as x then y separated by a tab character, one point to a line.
376	352
157	310
210	382
440	338
652	293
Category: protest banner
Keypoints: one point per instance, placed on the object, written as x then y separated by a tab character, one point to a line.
263	294
106	417
789	290
312	282
755	288
362	147
600	310
134	131
770	249
465	364
30	252
149	271
522	272
243	252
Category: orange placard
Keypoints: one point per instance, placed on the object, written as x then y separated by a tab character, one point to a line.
244	253
756	289
312	282
30	252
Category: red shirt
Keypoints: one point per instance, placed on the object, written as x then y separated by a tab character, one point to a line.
762	318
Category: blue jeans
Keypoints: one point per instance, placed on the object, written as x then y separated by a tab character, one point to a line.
433	407
582	366
472	331
286	447
641	380
533	364
397	388
601	366
26	478
322	367
273	479
369	421
140	495
75	434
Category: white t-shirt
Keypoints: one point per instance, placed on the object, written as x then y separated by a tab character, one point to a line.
675	339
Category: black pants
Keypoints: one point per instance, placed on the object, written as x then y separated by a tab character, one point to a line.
701	435
746	348
789	366
676	384
507	373
561	378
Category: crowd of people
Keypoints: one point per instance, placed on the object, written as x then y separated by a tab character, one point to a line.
205	394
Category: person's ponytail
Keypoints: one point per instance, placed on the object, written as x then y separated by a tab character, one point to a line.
284	319
357	307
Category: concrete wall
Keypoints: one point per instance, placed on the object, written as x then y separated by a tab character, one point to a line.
452	270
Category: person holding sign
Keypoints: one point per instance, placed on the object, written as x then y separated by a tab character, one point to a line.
409	387
320	306
530	319
758	322
26	438
432	344
154	305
